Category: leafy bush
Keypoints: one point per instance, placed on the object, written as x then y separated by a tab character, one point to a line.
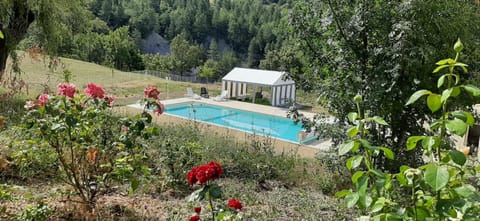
92	147
438	190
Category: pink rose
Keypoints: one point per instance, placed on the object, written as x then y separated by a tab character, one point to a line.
66	89
151	92
94	91
42	99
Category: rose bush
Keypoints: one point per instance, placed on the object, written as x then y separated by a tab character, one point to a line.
204	175
94	147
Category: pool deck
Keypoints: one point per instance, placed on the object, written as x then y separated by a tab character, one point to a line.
308	150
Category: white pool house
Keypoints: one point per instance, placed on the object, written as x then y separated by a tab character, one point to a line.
282	91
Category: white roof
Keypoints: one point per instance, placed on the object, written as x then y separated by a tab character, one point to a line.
255	76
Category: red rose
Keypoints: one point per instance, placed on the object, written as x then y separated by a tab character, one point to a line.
194	218
234	204
198	210
205	173
94	91
191	176
66	89
218	169
151	92
42	99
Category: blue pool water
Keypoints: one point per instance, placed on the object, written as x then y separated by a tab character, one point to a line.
262	124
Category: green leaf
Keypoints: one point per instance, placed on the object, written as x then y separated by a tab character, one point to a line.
465	191
460	64
346	147
354	162
351	199
457	157
467	117
439	68
134	183
457	78
377	173
457	127
445	61
441	81
473	90
357	176
415	96
455	91
446	94
388	153
366	144
352	131
412	142
342	193
215	192
430	143
422	213
380	120
433	102
378	205
1	35
401	177
352	116
436	176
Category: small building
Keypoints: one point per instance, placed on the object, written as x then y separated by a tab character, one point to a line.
282	91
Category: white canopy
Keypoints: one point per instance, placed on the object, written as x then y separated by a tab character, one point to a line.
255	76
235	82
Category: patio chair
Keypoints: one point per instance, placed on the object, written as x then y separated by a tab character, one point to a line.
191	94
204	92
222	97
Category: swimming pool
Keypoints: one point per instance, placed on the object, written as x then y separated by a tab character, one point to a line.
262	124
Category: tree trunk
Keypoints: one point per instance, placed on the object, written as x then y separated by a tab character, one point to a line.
3	55
15	31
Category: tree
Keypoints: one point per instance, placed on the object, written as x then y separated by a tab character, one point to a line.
228	61
121	50
188	55
209	70
362	48
213	51
18	15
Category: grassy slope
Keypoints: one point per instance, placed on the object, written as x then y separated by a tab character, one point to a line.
127	87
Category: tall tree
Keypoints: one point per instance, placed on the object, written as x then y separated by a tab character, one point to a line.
17	16
382	50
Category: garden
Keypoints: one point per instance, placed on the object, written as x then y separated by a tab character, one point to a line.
393	85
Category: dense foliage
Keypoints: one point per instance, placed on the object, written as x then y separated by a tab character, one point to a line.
442	188
379	49
90	30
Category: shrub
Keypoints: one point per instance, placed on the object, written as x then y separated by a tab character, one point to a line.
92	147
438	190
